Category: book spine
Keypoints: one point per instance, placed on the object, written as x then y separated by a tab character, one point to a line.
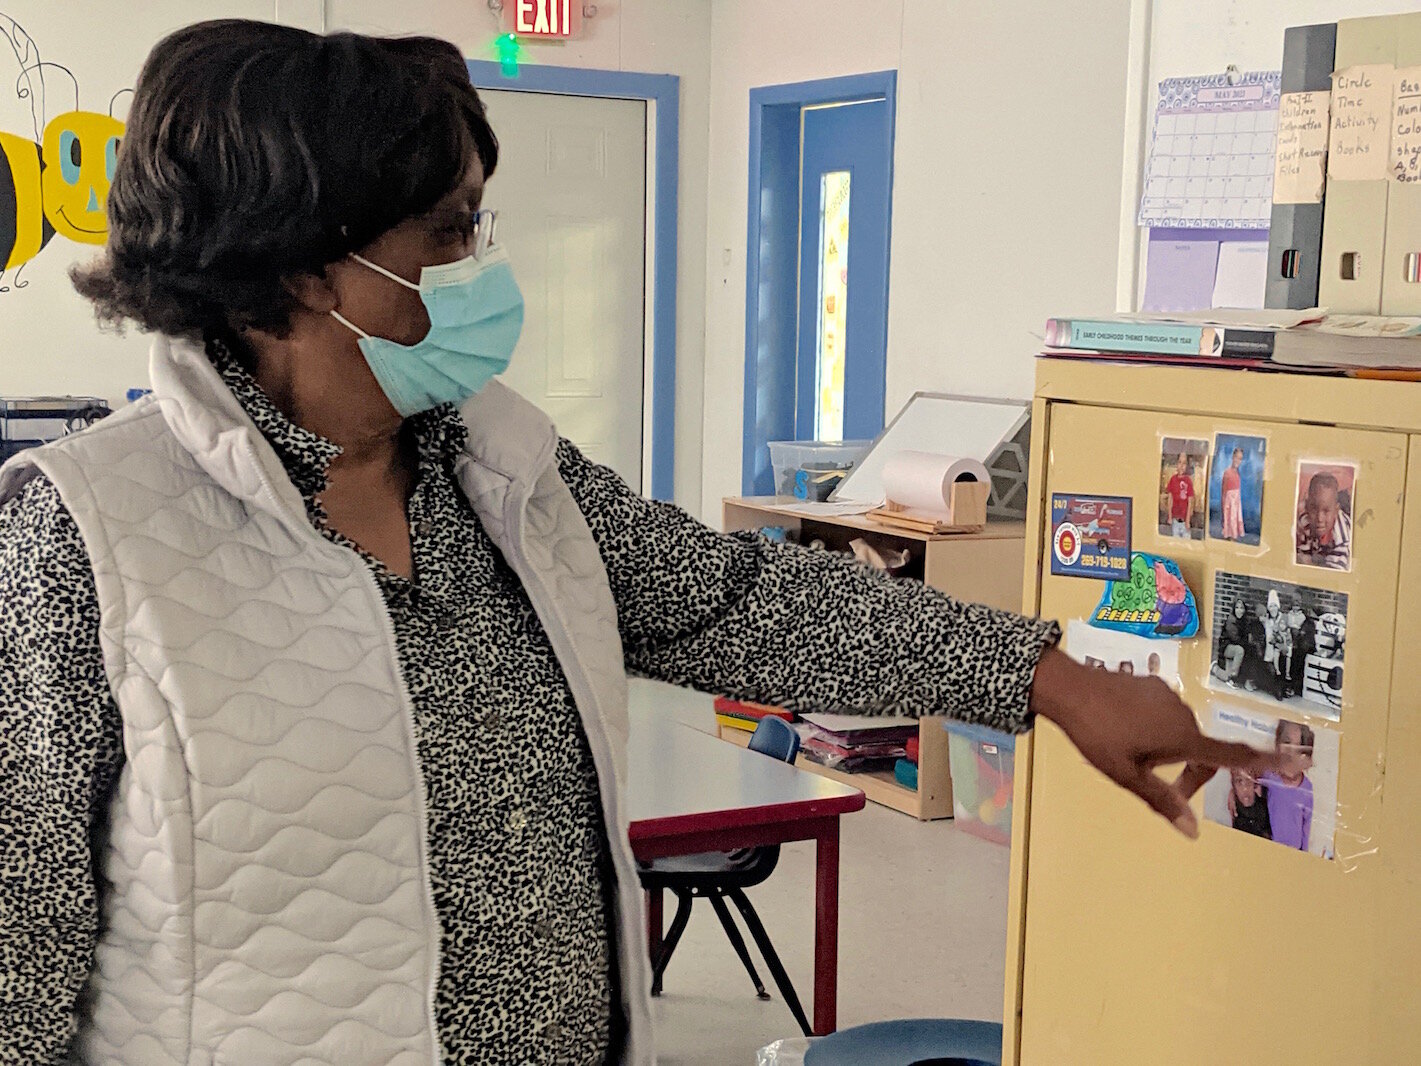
1247	344
726	705
1165	338
731	722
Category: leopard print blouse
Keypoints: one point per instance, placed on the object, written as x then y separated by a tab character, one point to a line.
518	852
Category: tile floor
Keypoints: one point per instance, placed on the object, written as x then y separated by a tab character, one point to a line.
922	933
922	930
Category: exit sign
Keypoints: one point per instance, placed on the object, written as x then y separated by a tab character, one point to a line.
555	20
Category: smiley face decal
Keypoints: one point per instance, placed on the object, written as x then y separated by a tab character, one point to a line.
80	151
55	170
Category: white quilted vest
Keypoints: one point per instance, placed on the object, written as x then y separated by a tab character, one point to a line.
268	894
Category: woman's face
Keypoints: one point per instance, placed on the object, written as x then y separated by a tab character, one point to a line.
1238	609
384	308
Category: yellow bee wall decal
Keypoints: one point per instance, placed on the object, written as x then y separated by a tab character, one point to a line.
54	177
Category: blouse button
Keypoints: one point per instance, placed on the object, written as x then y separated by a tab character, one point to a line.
518	821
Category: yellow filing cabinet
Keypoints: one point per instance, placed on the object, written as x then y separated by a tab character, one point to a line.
1128	943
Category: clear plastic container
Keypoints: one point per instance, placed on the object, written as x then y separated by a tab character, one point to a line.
983	764
812	469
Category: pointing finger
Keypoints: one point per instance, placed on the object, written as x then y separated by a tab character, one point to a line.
1224	754
1193	777
1166	801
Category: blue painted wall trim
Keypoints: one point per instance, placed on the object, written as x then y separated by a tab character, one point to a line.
770	317
665	90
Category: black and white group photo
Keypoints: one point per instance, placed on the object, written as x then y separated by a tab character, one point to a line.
1279	641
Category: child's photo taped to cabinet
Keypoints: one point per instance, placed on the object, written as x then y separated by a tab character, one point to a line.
1184	466
1295	807
1236	488
1322	523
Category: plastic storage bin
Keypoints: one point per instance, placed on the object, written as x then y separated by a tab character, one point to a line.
983	764
811	469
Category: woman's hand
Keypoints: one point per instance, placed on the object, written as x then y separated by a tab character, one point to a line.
1126	726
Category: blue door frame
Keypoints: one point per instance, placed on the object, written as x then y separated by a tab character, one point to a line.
772	257
665	91
844	139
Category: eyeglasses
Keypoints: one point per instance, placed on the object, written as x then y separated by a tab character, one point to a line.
485	228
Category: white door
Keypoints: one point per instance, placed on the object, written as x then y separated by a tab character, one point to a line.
570	191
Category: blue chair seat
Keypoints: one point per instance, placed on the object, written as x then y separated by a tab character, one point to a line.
910	1041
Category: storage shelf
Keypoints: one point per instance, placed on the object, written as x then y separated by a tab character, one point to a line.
983	567
880	786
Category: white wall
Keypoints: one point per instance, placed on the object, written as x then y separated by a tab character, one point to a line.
1006	199
48	341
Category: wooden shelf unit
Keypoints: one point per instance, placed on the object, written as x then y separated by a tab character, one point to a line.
983	567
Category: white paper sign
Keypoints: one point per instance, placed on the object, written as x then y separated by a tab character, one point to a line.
1301	163
1125	653
1361	122
1242	275
1406	126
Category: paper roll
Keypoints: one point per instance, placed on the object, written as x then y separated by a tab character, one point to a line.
923	481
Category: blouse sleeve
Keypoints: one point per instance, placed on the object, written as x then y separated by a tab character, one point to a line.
60	752
736	615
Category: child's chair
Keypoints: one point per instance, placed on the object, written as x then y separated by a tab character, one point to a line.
718	876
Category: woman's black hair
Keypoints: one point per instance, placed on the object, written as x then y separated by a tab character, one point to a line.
256	152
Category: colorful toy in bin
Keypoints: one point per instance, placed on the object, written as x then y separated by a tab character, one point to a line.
811	470
983	764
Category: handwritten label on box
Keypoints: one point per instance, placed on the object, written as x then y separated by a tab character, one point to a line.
1406	126
1300	167
1361	122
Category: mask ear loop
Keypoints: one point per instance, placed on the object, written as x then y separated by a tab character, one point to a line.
381	270
348	324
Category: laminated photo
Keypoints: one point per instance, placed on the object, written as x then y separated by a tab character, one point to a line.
1295	808
1184	465
1322	523
1280	642
1236	488
1123	653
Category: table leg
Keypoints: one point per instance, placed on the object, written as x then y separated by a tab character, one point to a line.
826	929
654	922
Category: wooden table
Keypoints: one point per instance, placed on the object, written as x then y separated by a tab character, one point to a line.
690	792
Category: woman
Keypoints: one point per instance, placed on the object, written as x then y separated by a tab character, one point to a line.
312	666
1231	644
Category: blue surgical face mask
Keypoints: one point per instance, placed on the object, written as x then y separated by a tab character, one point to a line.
475	317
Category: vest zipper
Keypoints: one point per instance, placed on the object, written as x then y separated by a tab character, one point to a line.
302	527
436	950
634	985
